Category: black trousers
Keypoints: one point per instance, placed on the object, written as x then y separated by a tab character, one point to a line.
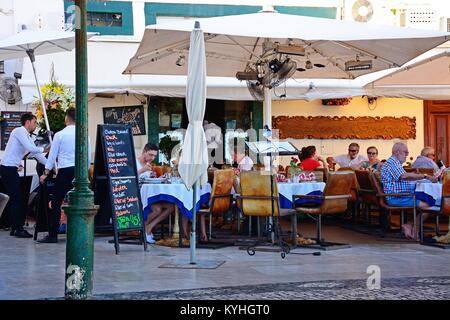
63	184
16	204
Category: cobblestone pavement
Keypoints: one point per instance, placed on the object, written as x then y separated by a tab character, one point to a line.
414	288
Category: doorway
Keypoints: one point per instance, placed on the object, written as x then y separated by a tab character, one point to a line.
437	128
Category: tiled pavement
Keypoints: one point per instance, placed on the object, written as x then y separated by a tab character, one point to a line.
408	270
390	289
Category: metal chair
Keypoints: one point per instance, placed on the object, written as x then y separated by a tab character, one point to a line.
443	210
334	201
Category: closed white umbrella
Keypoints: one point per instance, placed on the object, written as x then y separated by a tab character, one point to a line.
194	157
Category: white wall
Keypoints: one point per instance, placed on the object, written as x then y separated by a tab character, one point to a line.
95	116
42	14
357	107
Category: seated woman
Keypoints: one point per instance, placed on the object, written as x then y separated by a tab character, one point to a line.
310	160
373	164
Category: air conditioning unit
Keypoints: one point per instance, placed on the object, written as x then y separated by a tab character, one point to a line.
369	11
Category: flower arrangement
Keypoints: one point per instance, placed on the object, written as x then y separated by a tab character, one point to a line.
295	167
57	99
336	102
294	162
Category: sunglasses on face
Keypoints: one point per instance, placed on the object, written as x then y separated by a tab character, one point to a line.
352	150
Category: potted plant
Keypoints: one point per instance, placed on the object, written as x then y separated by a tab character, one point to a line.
336	102
294	167
166	145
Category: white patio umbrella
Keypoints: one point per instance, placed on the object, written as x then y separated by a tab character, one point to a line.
194	156
321	48
427	78
29	43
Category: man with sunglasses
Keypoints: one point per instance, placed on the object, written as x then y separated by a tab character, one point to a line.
352	159
426	160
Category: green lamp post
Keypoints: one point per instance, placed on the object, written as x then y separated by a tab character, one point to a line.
81	208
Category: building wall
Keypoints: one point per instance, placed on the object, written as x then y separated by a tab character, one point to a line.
358	107
95	115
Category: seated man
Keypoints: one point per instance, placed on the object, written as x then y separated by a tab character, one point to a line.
160	210
396	180
426	159
144	161
244	163
352	159
331	163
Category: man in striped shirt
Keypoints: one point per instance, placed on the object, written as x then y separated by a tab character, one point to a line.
396	180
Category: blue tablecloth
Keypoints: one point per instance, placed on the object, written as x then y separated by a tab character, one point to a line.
287	190
173	193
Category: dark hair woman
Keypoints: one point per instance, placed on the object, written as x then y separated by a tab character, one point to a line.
310	160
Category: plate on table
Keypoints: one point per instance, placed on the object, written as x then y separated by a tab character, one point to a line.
153	180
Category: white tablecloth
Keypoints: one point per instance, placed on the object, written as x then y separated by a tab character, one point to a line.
176	193
428	192
287	190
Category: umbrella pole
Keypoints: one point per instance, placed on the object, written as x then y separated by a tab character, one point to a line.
47	125
268	107
194	223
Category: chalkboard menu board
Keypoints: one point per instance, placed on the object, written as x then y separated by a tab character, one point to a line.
131	115
116	184
10	121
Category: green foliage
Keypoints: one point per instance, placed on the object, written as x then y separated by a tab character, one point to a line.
166	145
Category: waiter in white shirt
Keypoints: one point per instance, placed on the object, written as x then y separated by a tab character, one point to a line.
19	145
63	150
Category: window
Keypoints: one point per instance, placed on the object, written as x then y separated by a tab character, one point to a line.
104	19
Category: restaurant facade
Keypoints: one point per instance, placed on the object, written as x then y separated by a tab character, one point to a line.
159	102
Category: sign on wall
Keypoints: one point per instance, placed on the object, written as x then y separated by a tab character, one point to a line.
299	127
130	115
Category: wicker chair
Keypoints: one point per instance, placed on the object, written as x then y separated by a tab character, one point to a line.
428	171
221	197
4	198
334	201
387	210
367	192
256	200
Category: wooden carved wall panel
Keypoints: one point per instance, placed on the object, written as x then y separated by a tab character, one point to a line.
299	127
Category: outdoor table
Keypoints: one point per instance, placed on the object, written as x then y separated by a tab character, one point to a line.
287	190
429	192
175	193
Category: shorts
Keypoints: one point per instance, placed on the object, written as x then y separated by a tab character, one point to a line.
402	202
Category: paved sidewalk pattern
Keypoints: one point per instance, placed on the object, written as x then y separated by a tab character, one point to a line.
414	288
